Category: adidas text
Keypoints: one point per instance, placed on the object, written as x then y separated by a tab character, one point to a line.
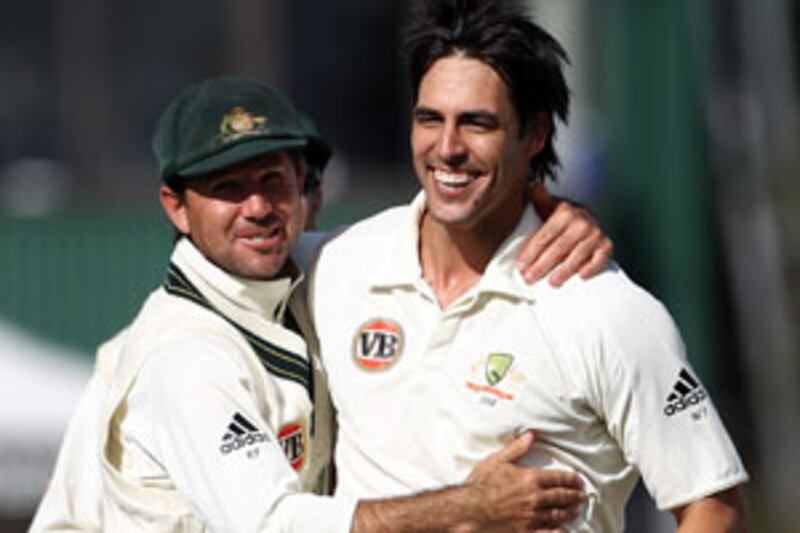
242	441
681	404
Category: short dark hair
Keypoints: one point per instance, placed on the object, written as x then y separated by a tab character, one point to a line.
499	33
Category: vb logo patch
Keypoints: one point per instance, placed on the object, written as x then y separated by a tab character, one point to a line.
492	378
293	442
378	344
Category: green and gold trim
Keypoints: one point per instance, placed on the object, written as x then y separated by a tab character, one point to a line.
277	361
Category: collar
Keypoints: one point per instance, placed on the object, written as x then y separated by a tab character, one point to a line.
401	268
231	294
502	275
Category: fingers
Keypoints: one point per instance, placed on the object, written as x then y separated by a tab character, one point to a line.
537	257
487	470
554	240
555	480
570	240
600	259
556	507
587	253
552	519
516	450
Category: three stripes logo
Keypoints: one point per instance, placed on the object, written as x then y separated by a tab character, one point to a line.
241	433
686	392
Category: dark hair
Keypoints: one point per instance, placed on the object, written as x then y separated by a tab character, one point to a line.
497	32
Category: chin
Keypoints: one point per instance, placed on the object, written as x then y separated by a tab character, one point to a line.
261	274
259	268
451	217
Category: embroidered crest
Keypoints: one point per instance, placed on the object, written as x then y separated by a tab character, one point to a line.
497	365
493	377
378	344
238	123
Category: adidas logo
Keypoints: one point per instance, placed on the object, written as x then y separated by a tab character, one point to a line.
241	432
686	392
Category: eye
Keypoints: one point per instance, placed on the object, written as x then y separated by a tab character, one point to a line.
423	116
272	180
224	186
480	122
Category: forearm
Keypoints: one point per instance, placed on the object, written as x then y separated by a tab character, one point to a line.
457	509
497	495
723	512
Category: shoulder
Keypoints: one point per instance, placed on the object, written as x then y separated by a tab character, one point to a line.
194	359
371	231
166	316
359	249
609	311
176	331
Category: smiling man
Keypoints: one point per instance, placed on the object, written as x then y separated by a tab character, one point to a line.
439	353
215	414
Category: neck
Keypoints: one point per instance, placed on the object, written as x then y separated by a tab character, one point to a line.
453	258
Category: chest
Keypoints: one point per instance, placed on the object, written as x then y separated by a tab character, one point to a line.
485	368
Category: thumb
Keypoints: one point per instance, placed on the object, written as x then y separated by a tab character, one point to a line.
516	449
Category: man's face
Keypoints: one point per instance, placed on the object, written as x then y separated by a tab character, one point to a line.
246	218
467	150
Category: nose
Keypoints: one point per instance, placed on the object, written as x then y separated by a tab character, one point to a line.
451	147
256	206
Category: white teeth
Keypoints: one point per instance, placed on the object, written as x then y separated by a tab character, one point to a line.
448	178
256	239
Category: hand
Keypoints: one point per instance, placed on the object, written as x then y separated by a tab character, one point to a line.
569	239
520	498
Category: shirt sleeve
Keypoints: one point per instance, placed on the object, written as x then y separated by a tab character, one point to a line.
657	408
192	409
73	498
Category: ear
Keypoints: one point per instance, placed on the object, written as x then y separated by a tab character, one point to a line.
174	206
537	133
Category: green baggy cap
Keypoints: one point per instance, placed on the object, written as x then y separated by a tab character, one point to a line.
225	121
317	152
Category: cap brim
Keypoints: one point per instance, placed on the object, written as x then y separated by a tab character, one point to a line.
239	153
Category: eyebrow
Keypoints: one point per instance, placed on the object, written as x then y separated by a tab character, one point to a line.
425	112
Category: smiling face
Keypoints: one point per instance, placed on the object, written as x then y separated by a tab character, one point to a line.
468	152
246	218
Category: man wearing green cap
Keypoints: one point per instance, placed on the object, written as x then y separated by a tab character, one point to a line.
73	498
216	418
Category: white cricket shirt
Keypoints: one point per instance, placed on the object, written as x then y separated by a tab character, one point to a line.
210	419
596	368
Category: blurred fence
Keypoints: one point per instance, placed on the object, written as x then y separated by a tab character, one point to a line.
76	278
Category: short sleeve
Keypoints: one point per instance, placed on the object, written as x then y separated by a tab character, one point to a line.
657	408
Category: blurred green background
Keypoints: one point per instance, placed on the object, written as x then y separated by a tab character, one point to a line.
683	137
